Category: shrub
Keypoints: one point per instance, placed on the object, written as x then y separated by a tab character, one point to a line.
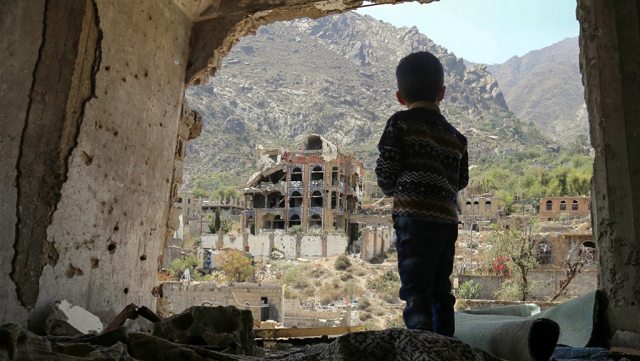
294	229
391	275
385	287
352	289
344	277
469	290
396	322
236	265
364	304
342	263
379	258
178	266
364	316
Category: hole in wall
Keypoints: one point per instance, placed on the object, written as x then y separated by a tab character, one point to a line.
111	247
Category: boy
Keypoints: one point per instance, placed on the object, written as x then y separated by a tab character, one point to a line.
423	164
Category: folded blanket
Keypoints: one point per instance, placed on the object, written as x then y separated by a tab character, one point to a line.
521	332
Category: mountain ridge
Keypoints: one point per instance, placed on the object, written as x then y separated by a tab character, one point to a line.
334	76
544	86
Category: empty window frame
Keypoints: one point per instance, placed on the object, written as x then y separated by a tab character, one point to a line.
549	205
316	199
563	205
317	173
588	252
296	174
294	220
295	200
315	221
545	252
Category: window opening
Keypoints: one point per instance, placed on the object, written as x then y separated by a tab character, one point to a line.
316	199
278	223
563	205
294	220
574	205
317	173
545	252
295	200
296	174
315	221
588	252
549	205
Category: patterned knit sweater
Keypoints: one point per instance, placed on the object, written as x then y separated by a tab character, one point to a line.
423	164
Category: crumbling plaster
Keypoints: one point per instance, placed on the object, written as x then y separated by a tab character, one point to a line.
105	177
610	65
18	58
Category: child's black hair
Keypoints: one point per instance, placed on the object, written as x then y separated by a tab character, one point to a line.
420	77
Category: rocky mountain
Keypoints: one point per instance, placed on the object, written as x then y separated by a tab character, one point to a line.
545	87
336	77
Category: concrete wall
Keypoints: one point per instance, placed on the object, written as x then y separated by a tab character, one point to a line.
311	246
336	244
182	295
287	244
490	285
375	240
260	245
235	242
610	64
91	106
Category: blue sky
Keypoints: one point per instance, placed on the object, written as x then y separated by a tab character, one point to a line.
486	31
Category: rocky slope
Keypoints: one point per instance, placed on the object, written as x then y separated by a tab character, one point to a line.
545	87
335	77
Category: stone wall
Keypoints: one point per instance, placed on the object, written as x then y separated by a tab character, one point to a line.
546	283
182	295
235	242
481	304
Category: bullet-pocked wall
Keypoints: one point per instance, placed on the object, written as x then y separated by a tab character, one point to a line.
91	101
90	105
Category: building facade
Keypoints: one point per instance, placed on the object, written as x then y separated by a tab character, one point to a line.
558	207
315	187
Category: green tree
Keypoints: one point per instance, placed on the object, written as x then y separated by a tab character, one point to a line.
236	265
178	266
216	221
518	253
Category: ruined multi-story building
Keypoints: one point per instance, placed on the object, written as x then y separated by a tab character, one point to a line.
315	186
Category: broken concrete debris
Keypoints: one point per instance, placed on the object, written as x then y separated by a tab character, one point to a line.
226	328
69	320
131	312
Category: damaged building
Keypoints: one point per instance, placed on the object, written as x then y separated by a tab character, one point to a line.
316	187
94	129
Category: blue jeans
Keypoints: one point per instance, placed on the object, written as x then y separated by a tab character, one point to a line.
425	262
